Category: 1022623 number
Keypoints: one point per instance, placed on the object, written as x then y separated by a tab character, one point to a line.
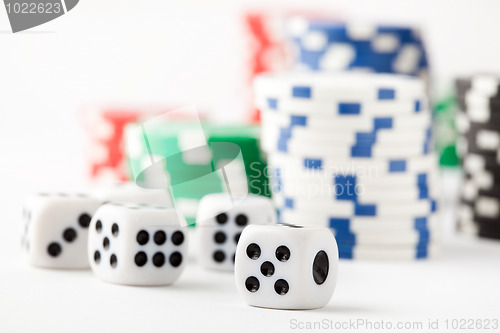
34	8
472	324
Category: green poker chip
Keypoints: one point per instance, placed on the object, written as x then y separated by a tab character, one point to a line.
196	169
446	134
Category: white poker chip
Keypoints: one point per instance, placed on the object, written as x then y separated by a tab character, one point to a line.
365	175
367	182
387	252
347	208
369	224
344	123
371	167
345	152
273	132
297	188
275	141
381	136
350	86
342	107
410	238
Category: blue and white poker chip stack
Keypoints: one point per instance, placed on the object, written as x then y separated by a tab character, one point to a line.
352	151
332	46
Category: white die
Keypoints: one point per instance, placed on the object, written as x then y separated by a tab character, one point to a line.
129	192
137	244
286	267
220	221
56	229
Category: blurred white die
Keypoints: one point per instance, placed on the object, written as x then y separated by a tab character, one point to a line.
220	221
286	267
137	244
129	192
56	229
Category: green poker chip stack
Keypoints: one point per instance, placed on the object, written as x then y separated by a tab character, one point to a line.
446	134
191	171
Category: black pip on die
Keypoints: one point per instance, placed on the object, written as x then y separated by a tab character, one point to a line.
220	221
56	229
286	267
137	244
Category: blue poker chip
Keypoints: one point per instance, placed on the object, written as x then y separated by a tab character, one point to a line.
380	49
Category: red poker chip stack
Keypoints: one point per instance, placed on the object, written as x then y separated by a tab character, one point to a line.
106	155
105	128
269	48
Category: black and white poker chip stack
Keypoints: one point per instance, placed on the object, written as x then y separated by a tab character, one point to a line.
479	125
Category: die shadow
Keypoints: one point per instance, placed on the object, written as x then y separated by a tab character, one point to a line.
330	309
192	283
343	309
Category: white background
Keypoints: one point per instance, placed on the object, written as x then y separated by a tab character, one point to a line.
130	52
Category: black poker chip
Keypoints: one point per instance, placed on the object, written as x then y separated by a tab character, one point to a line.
494	104
494	175
474	146
475	126
491	235
462	85
489	162
493	192
491	156
489	230
491	120
485	154
466	202
492	224
486	228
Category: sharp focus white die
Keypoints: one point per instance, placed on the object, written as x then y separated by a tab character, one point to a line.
56	229
129	192
137	244
286	267
220	221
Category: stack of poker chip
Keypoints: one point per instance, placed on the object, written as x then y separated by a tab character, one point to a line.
353	151
479	124
105	153
328	45
266	49
192	173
